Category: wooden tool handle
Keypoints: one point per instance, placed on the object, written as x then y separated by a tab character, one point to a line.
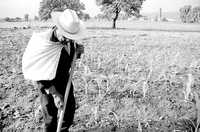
66	94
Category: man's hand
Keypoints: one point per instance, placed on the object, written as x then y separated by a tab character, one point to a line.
58	98
79	50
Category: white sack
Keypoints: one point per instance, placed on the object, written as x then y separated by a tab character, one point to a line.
41	57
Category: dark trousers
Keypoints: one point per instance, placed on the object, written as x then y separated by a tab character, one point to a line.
50	112
49	109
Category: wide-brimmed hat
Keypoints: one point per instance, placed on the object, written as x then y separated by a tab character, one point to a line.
68	23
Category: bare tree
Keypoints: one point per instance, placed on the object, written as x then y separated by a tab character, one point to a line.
114	7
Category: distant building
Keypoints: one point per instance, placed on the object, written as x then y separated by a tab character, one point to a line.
140	18
132	18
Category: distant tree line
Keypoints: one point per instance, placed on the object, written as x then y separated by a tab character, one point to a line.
18	19
189	14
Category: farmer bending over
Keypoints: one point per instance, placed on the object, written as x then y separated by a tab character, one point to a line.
47	60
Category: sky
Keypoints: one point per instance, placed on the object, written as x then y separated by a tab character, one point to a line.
17	8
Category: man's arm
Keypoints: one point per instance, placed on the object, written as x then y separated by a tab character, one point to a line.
47	87
58	98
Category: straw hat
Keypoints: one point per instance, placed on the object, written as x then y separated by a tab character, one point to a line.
68	23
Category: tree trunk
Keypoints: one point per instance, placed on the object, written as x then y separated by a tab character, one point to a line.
114	24
115	18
